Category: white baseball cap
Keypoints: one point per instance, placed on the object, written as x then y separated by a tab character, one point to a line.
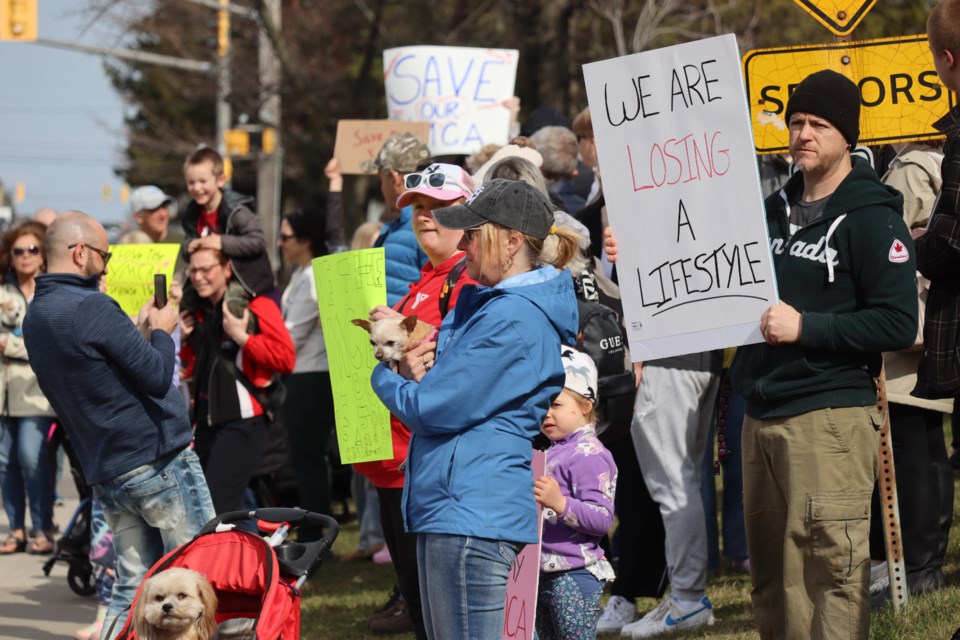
149	198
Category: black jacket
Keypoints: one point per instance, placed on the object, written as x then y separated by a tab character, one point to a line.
851	274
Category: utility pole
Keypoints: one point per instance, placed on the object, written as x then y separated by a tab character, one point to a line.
270	165
224	114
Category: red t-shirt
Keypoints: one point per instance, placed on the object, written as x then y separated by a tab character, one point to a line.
424	301
208	220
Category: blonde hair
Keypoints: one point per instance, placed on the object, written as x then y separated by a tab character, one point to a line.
558	249
585	404
365	235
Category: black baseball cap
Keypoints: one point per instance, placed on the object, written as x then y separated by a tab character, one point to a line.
510	203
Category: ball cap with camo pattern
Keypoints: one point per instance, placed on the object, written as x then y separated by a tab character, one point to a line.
402	152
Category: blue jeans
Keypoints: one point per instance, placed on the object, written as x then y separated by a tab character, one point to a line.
151	510
463	585
25	472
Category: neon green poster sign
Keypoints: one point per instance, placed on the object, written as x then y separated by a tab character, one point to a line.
349	285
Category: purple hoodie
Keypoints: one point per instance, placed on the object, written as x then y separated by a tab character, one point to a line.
587	476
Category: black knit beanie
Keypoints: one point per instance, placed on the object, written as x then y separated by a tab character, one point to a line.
831	96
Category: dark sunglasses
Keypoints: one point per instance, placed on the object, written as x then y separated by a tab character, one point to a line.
105	255
472	233
287	236
414	180
18	252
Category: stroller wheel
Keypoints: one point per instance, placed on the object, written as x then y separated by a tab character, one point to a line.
81	583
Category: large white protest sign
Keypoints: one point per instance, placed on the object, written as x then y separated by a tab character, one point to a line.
460	91
683	196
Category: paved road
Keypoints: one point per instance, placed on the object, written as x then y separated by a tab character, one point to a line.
32	605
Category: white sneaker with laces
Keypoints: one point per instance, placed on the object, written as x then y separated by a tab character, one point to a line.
618	612
670	616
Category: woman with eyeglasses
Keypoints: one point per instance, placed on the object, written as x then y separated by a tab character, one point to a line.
475	399
221	357
26	475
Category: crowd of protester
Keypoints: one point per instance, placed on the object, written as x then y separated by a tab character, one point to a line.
498	251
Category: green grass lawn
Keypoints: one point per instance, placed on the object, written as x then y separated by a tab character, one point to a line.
337	601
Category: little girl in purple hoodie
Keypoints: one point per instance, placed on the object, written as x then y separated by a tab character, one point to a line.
577	498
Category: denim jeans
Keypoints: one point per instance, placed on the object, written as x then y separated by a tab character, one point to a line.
26	476
151	510
463	585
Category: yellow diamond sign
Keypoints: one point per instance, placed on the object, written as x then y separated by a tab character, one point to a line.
900	94
839	16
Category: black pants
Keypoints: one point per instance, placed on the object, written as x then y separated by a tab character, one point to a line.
308	418
229	453
924	493
403	551
642	568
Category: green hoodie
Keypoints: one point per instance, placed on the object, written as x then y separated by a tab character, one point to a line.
861	303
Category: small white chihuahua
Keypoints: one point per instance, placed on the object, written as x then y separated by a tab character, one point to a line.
391	336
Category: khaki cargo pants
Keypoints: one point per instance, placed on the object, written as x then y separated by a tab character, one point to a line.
807	482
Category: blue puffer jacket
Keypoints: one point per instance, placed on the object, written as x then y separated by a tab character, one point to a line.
475	413
403	255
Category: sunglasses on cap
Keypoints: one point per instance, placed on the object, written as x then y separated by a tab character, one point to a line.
18	252
414	180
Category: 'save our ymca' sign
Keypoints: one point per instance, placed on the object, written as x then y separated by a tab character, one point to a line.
683	196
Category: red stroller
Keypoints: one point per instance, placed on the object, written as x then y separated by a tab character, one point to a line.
252	579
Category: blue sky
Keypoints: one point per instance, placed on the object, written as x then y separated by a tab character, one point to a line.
61	122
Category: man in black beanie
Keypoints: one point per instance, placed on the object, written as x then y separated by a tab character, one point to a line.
845	272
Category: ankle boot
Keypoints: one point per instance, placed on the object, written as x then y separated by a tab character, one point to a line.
919	499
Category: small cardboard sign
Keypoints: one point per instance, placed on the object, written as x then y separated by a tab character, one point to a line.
359	141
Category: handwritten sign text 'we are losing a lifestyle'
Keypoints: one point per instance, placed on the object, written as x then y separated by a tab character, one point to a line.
683	196
460	91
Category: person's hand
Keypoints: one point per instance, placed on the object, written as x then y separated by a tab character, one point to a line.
513	105
332	171
382	311
418	360
176	292
3	344
211	241
781	324
546	491
165	318
610	245
917	232
187	322
638	373
236	327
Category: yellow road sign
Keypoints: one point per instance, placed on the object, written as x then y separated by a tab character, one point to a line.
839	16
901	96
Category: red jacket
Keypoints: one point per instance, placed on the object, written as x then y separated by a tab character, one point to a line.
424	301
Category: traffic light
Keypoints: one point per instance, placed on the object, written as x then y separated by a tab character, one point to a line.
18	20
20	193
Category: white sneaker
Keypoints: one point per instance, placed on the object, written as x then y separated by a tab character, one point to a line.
670	616
879	577
618	612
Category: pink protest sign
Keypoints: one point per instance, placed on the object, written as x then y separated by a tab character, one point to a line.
521	605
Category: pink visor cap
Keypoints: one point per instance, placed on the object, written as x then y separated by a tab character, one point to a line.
446	182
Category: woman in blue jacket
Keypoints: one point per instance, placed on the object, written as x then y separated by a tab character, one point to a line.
469	485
